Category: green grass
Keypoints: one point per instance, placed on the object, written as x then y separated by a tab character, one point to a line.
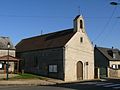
28	76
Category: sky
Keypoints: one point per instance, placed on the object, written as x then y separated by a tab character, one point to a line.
21	19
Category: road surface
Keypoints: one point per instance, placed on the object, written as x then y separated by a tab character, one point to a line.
91	85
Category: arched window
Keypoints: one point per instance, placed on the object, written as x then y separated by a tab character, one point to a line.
81	24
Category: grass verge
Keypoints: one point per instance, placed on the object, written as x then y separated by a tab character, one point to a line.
27	76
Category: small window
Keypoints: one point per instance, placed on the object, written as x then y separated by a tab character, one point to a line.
1	66
114	55
118	66
52	68
81	39
81	24
114	66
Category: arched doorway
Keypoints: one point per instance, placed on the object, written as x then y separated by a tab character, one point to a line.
79	70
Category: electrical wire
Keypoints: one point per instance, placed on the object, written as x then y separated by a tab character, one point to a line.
34	16
37	16
80	50
106	25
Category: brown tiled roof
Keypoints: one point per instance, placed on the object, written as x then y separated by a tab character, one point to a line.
108	51
11	58
51	40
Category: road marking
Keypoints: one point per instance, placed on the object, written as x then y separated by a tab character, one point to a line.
113	85
103	79
103	84
90	83
116	87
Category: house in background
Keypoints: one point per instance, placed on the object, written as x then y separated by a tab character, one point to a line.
107	62
7	56
66	54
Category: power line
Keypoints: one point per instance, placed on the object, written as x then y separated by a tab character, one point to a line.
106	25
37	16
78	50
34	16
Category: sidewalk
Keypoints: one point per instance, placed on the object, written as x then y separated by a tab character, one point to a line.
36	82
26	82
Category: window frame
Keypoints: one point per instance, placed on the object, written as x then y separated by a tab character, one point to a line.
114	66
118	66
53	68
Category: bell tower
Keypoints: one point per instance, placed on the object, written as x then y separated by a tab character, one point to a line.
79	24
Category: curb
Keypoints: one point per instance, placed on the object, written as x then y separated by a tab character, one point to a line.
26	83
50	83
74	82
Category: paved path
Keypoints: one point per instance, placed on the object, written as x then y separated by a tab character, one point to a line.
26	82
47	81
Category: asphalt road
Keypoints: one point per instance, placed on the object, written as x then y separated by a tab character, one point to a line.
91	85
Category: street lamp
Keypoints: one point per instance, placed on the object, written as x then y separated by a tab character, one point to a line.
114	3
7	65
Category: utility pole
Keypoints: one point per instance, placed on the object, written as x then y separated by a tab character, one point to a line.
7	64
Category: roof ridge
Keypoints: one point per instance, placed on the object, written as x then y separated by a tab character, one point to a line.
108	48
48	34
105	51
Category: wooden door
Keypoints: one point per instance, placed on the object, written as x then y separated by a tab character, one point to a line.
79	70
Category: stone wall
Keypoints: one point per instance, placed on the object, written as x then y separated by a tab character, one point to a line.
76	51
114	73
38	62
5	52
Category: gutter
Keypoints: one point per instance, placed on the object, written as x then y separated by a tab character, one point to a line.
64	62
